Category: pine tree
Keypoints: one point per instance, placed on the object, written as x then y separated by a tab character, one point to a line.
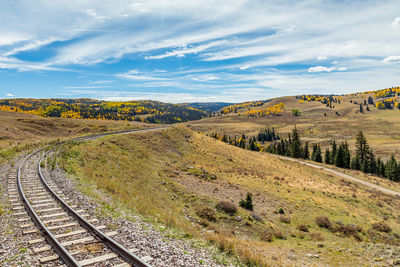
333	152
347	155
314	152
339	158
371	162
247	203
316	156
361	146
391	169
355	163
295	146
364	165
327	158
306	152
361	109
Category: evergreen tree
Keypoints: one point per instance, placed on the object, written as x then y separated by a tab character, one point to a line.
295	145
364	165
317	154
361	146
306	152
247	203
224	138
327	158
333	152
371	162
314	152
355	163
391	169
380	168
347	155
361	109
339	157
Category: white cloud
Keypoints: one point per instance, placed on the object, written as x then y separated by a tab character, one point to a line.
321	57
10	95
391	59
325	69
188	50
396	22
138	76
321	69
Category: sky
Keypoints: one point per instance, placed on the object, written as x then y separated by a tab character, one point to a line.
198	50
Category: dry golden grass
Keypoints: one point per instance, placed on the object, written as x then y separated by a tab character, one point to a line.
381	127
20	132
152	174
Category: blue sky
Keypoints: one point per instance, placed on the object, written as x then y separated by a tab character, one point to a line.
189	51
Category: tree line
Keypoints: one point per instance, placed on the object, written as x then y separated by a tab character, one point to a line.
144	111
336	154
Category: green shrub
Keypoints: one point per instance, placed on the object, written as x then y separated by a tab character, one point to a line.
247	203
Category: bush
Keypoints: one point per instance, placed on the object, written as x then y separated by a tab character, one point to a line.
284	219
295	112
281	211
266	236
206	213
348	229
381	227
317	236
302	227
227	207
247	203
279	234
323	222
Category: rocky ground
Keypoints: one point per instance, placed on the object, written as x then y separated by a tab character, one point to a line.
14	248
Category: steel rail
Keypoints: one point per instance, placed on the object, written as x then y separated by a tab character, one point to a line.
109	242
51	239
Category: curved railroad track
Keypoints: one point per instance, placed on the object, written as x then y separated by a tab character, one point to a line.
58	229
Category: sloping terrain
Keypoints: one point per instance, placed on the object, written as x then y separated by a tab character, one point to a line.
317	123
20	130
302	216
141	110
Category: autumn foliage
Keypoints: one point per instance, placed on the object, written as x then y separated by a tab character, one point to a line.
144	111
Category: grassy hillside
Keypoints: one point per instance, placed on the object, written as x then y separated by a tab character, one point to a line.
20	131
318	123
178	177
142	111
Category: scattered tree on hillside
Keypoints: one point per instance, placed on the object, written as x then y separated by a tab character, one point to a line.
295	112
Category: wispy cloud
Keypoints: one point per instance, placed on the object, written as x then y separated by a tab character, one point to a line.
392	59
325	69
200	48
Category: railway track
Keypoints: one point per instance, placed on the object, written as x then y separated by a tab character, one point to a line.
60	232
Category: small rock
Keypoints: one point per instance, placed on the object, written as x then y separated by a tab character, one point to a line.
238	218
256	216
320	245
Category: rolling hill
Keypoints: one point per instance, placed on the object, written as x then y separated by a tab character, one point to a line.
142	111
